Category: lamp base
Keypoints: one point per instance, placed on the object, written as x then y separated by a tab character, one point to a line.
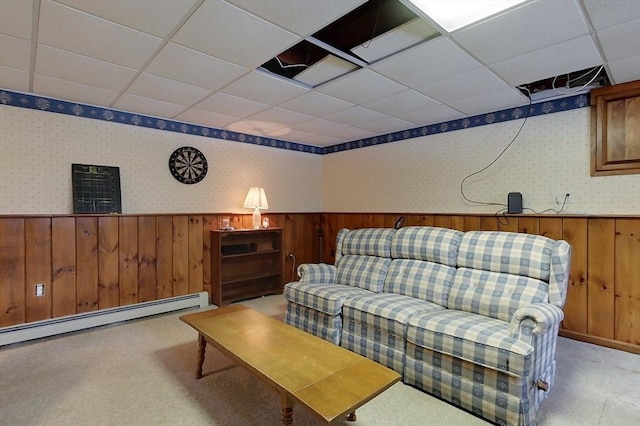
256	218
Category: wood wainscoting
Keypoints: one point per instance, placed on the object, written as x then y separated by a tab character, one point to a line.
92	262
603	300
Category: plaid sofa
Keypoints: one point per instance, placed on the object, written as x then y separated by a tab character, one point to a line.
471	318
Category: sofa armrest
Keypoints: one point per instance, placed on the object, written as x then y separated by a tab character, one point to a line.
538	318
317	273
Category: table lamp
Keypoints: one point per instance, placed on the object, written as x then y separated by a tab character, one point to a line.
256	200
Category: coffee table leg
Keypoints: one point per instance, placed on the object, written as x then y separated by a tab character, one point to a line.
202	347
287	409
351	417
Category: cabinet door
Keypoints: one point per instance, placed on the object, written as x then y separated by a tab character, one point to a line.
615	129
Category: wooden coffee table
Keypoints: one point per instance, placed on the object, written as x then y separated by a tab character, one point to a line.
331	381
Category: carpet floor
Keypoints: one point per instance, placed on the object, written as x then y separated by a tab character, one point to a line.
142	373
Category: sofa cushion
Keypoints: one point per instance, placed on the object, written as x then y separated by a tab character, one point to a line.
508	252
387	313
420	279
368	241
434	244
327	298
367	272
471	337
493	294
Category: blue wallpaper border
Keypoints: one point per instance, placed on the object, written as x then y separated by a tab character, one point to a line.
24	100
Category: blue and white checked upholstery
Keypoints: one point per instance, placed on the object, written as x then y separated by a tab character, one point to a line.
471	318
375	326
438	245
314	303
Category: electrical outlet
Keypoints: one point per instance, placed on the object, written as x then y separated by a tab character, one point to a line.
39	289
559	197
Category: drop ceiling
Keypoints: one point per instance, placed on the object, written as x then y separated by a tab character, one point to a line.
201	61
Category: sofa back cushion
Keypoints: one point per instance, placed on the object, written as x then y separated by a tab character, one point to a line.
365	258
494	294
439	245
423	280
508	252
366	272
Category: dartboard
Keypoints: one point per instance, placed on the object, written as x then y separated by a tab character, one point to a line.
188	165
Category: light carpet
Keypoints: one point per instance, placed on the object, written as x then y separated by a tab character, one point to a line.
142	373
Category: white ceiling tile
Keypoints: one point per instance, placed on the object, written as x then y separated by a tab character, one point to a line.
311	138
155	87
203	70
231	105
320	126
489	102
606	13
82	69
262	87
302	18
69	29
152	107
142	15
573	55
14	79
401	103
315	104
206	118
361	86
625	70
282	116
15	52
395	40
16	18
229	33
524	29
465	85
355	116
621	41
436	114
387	125
427	62
324	70
259	128
353	133
71	91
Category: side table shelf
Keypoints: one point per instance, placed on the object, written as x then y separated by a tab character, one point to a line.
245	263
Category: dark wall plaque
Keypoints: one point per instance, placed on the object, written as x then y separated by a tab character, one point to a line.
96	189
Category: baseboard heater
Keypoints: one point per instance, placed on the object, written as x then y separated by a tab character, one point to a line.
66	324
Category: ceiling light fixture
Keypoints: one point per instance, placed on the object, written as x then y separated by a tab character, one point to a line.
452	15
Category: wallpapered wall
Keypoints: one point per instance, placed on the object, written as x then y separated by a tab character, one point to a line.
416	175
37	149
551	154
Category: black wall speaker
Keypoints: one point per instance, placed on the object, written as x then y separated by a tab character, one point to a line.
514	202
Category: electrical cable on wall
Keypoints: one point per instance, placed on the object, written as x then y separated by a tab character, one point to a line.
484	203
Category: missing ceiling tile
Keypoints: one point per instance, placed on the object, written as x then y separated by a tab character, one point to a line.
564	84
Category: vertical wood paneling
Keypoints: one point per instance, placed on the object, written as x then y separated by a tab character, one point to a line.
12	273
87	264
551	227
456	222
209	223
600	288
195	255
627	281
489	223
390	220
164	256
574	231
180	255
63	266
38	268
108	270
529	225
441	221
128	260
147	258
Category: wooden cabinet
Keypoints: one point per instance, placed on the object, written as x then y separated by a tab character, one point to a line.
245	264
615	129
